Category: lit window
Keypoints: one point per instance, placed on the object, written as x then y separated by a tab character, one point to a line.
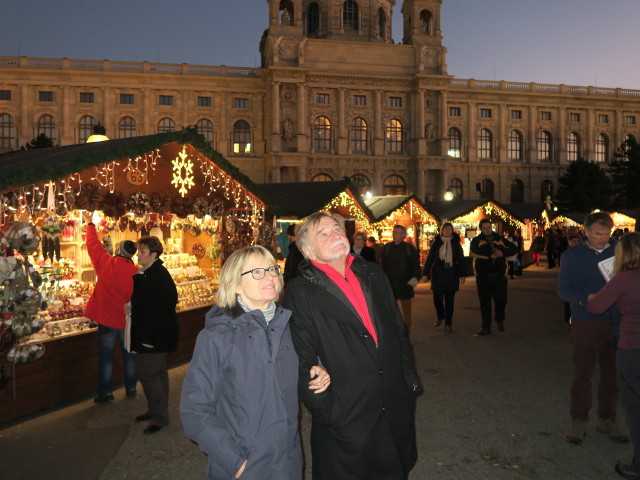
127	128
454	111
322	98
86	97
394	185
165	100
204	101
241	137
47	126
573	146
358	135
205	128
127	99
485	113
85	129
359	99
515	145
516	114
393	136
602	148
544	147
45	96
395	101
322	134
8	139
485	144
455	143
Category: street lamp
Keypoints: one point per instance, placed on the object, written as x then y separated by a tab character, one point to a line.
448	195
98	134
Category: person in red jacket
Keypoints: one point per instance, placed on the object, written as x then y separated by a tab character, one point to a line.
106	308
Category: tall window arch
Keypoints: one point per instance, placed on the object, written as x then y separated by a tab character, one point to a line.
426	22
322	134
8	137
573	146
382	24
456	187
544	147
47	126
350	15
393	136
241	137
517	191
362	183
166	125
486	189
286	12
313	18
515	146
205	128
322	177
85	128
546	190
602	148
485	144
395	185
127	127
358	135
455	143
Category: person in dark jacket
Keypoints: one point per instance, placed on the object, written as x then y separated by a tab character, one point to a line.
239	397
445	268
401	263
537	247
551	247
359	247
106	308
345	315
489	251
294	257
154	330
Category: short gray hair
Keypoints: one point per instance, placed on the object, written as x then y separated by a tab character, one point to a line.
230	274
361	235
303	237
601	218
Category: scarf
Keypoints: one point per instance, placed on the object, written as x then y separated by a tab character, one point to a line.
446	253
268	312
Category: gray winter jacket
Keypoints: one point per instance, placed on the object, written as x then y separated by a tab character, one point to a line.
239	397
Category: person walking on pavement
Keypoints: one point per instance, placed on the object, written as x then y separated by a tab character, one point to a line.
623	290
489	251
106	308
294	257
401	263
445	268
593	335
551	246
345	316
154	330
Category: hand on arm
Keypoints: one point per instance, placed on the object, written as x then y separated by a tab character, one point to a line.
320	379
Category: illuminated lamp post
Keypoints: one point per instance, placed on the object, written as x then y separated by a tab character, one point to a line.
99	134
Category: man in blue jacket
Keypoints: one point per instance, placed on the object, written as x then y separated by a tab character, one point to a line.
593	339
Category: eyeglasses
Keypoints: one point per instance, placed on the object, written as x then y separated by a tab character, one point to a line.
258	273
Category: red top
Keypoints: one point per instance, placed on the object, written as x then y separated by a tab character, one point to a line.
114	286
351	287
623	290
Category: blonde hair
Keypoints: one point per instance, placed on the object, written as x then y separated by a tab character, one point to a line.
627	255
230	275
303	232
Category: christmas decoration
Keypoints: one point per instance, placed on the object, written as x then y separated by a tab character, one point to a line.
182	172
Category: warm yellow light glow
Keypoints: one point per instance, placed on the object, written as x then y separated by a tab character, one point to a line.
448	195
182	172
97	138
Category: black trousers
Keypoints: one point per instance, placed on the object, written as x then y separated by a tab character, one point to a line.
629	370
152	373
443	301
492	288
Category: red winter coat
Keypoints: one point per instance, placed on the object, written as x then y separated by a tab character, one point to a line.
114	286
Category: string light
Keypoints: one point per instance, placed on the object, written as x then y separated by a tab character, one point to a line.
105	176
346	201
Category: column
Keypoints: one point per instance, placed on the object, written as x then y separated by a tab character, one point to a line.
342	135
66	131
561	142
443	130
501	138
303	127
146	119
106	114
27	129
378	138
471	142
588	144
276	139
532	148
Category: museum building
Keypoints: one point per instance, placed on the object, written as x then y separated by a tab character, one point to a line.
334	98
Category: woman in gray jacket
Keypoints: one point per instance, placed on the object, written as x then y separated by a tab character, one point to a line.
239	398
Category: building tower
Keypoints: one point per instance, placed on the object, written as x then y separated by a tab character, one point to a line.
421	19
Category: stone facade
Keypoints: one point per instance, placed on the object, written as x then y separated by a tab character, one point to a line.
334	98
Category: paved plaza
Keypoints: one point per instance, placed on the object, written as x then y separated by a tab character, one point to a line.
494	407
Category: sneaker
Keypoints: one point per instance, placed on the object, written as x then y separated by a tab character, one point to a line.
610	428
577	432
103	399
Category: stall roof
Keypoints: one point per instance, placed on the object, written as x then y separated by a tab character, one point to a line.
527	211
460	208
27	167
300	199
383	206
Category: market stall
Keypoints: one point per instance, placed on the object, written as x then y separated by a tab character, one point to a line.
407	210
171	185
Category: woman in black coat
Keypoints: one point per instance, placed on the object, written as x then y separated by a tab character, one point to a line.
445	268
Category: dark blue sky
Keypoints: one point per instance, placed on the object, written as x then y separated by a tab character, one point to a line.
575	42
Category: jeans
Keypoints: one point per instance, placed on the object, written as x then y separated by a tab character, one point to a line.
106	344
443	301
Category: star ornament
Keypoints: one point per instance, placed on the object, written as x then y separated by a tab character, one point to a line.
182	173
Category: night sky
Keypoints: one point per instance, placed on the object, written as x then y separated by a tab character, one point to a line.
575	42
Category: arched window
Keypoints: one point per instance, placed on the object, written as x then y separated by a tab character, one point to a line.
544	147
127	128
322	134
455	143
85	129
517	191
361	183
602	148
350	15
8	138
485	144
241	137
286	12
322	177
358	135
426	22
313	18
205	128
573	147
382	24
515	146
47	126
166	125
456	187
486	189
393	136
546	190
395	185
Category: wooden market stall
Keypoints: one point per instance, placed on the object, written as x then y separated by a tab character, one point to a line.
172	185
